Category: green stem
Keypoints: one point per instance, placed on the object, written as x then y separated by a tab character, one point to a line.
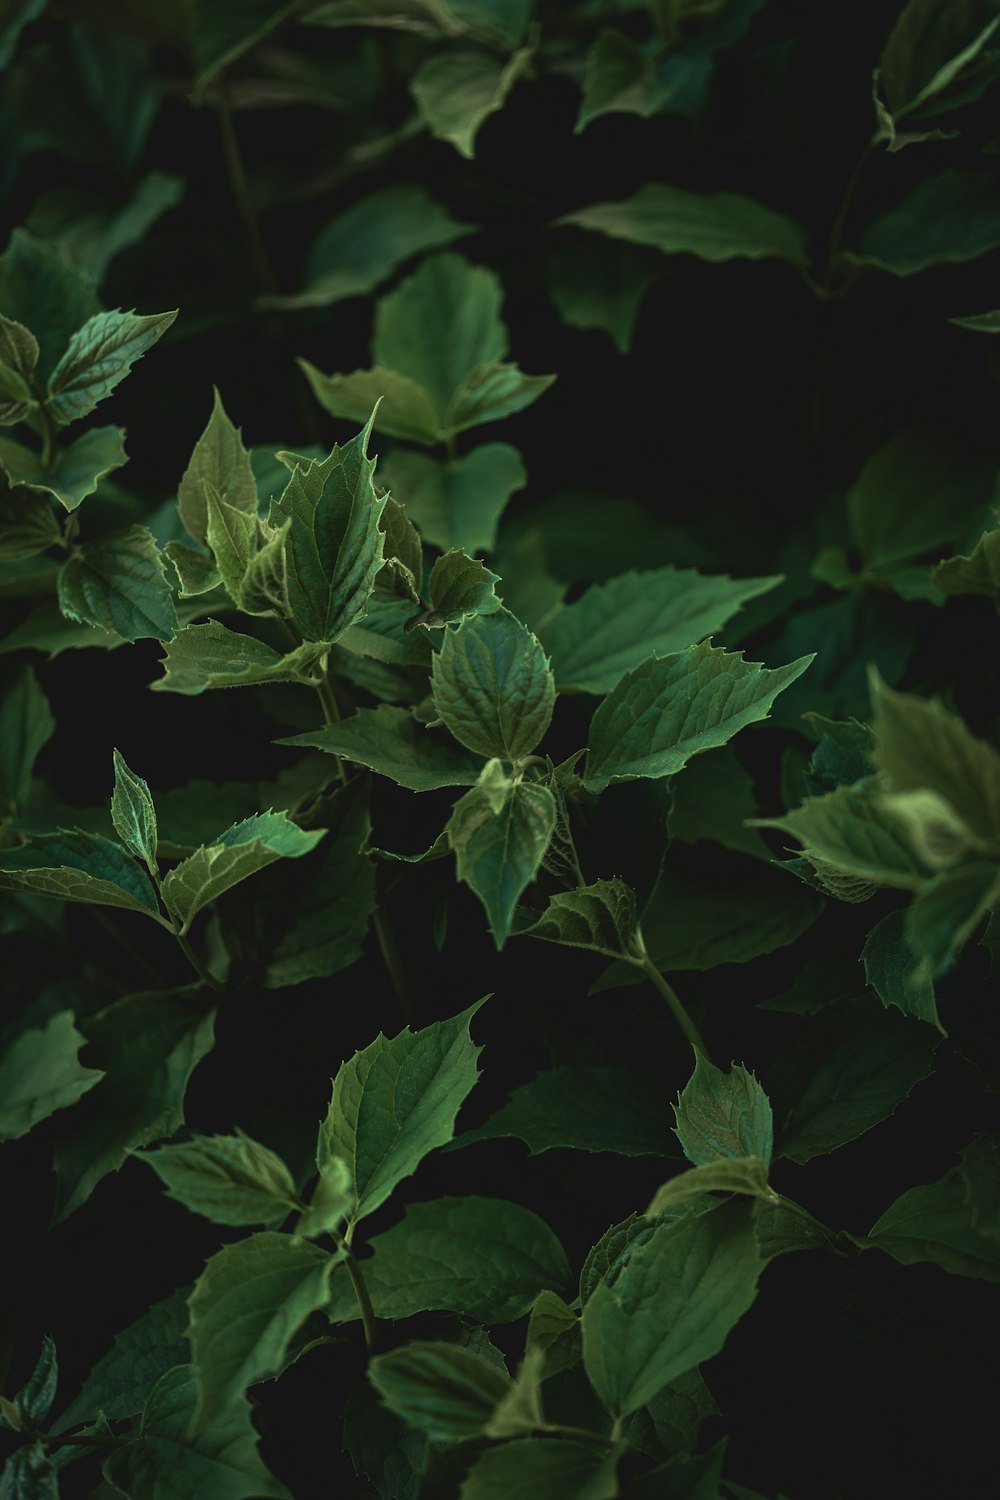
365	1308
642	960
197	964
583	1434
50	433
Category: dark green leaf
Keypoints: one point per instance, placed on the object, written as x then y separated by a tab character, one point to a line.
554	1331
443	1390
148	1046
36	1396
482	1257
92	229
225	31
669	708
459	587
98	357
938	1223
245	1309
896	973
133	814
952	217
605	1260
382	1447
673	1419
166	1461
234	855
672	1306
723	1115
118	583
622	77
220	461
18	358
39	288
16	15
229	1179
746	1174
616	625
456	91
404	558
599	916
28	523
457	503
713	800
40	1072
540	1468
493	687
29	1475
929	48
395	1101
28	725
499	832
120	1383
598	285
392	742
715	227
77	866
77	468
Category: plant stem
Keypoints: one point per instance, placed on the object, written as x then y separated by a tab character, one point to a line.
642	960
49	437
197	964
560	1429
361	1293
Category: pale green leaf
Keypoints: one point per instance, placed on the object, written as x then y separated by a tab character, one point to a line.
673	1305
393	743
492	686
364	244
669	708
166	1462
118	583
77	866
401	576
458	503
459	586
395	1101
232	537
234	855
491	392
744	1174
723	1116
221	461
212	656
77	467
988	322
713	226
456	91
331	1203
40	1072
230	1179
148	1045
542	1468
979	573
616	625
520	1410
405	408
444	1390
97	358
600	917
499	832
133	814
854	831
29	724
333	548
482	1257
246	1307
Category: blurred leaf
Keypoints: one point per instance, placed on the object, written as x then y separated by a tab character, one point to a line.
456	91
715	227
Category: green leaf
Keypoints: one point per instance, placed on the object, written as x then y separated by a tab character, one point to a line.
920	745
120	1383
938	1223
77	467
230	1179
541	1468
404	556
221	462
405	409
133	814
332	1202
77	866
672	1421
672	1306
853	1067
98	357
929	48
31	1475
40	1072
946	219
459	587
234	855
456	91
36	1396
585	1107
211	656
745	1174
713	800
896	973
458	503
118	583
713	226
669	708
393	743
615	626
166	1461
443	1390
232	537
600	917
482	1257
978	573
39	288
18	358
361	247
16	15
854	831
223	32
333	549
92	229
492	686
491	392
622	77
384	635
499	832
599	285
723	1115
395	1101
554	1332
28	523
605	1260
148	1045
381	1446
245	1309
29	724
